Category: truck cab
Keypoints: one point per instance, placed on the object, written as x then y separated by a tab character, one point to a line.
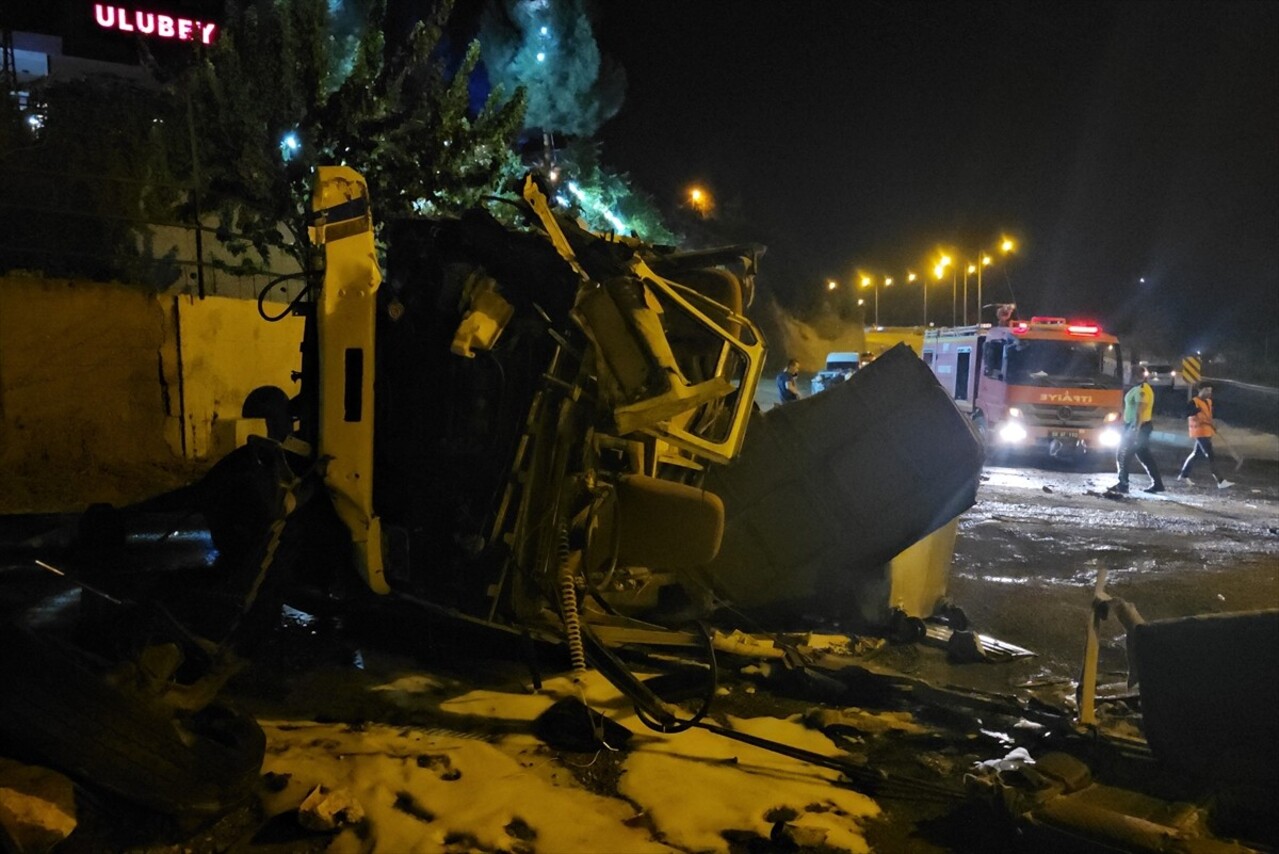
1047	383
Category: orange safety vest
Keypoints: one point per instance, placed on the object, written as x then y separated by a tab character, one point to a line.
1201	422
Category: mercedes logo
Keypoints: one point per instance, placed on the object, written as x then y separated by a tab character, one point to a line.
1063	413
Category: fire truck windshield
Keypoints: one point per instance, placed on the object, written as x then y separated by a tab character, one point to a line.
1079	364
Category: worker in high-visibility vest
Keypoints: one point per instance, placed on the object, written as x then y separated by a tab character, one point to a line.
1139	423
1202	429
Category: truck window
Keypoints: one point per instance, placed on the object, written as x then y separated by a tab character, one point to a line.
1112	363
963	356
1059	363
993	359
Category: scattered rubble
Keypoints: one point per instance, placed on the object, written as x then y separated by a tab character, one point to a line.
37	807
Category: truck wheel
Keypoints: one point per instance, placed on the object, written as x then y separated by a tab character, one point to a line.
994	453
55	711
983	431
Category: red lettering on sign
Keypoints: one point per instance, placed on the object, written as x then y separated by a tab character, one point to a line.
153	24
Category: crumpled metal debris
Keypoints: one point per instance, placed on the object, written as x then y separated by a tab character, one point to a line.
329	809
37	806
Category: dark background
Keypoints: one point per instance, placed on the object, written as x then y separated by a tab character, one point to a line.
1115	142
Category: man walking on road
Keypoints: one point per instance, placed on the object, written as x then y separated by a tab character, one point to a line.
1139	423
1202	429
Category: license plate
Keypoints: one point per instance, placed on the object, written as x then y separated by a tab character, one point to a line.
1063	434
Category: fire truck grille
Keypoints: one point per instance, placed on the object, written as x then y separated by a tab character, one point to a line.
1065	416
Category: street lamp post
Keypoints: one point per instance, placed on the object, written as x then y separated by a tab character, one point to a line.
1005	246
911	277
968	271
940	272
866	283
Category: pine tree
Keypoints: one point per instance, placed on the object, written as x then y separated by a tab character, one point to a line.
277	96
548	48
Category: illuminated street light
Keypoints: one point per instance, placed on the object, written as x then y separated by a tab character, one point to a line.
867	281
983	260
939	270
290	145
1006	246
831	285
700	201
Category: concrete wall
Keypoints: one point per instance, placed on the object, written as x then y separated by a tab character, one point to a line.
227	351
86	373
98	373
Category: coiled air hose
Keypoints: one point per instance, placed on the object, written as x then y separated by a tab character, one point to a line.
568	606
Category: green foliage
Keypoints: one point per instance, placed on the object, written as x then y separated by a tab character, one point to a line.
603	189
549	49
390	111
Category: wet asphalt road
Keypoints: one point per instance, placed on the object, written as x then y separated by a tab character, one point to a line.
1029	552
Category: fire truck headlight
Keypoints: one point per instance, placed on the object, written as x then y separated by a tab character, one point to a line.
1110	438
1112	416
1014	412
1011	432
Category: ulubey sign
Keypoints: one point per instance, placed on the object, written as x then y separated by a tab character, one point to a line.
154	24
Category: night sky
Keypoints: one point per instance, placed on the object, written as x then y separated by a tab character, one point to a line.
1114	141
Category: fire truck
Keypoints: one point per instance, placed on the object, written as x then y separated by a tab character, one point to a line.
1047	384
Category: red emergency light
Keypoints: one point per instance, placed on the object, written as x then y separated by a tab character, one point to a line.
1090	330
1021	327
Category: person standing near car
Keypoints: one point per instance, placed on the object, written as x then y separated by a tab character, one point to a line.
787	390
1139	423
1202	429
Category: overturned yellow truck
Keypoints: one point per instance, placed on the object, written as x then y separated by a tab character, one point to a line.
516	422
541	431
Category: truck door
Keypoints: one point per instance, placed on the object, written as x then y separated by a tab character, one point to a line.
963	356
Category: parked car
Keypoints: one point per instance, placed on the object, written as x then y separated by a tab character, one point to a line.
1160	374
839	367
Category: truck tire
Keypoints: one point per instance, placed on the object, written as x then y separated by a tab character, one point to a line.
57	712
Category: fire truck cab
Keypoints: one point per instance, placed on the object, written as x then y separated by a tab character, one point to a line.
1044	384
